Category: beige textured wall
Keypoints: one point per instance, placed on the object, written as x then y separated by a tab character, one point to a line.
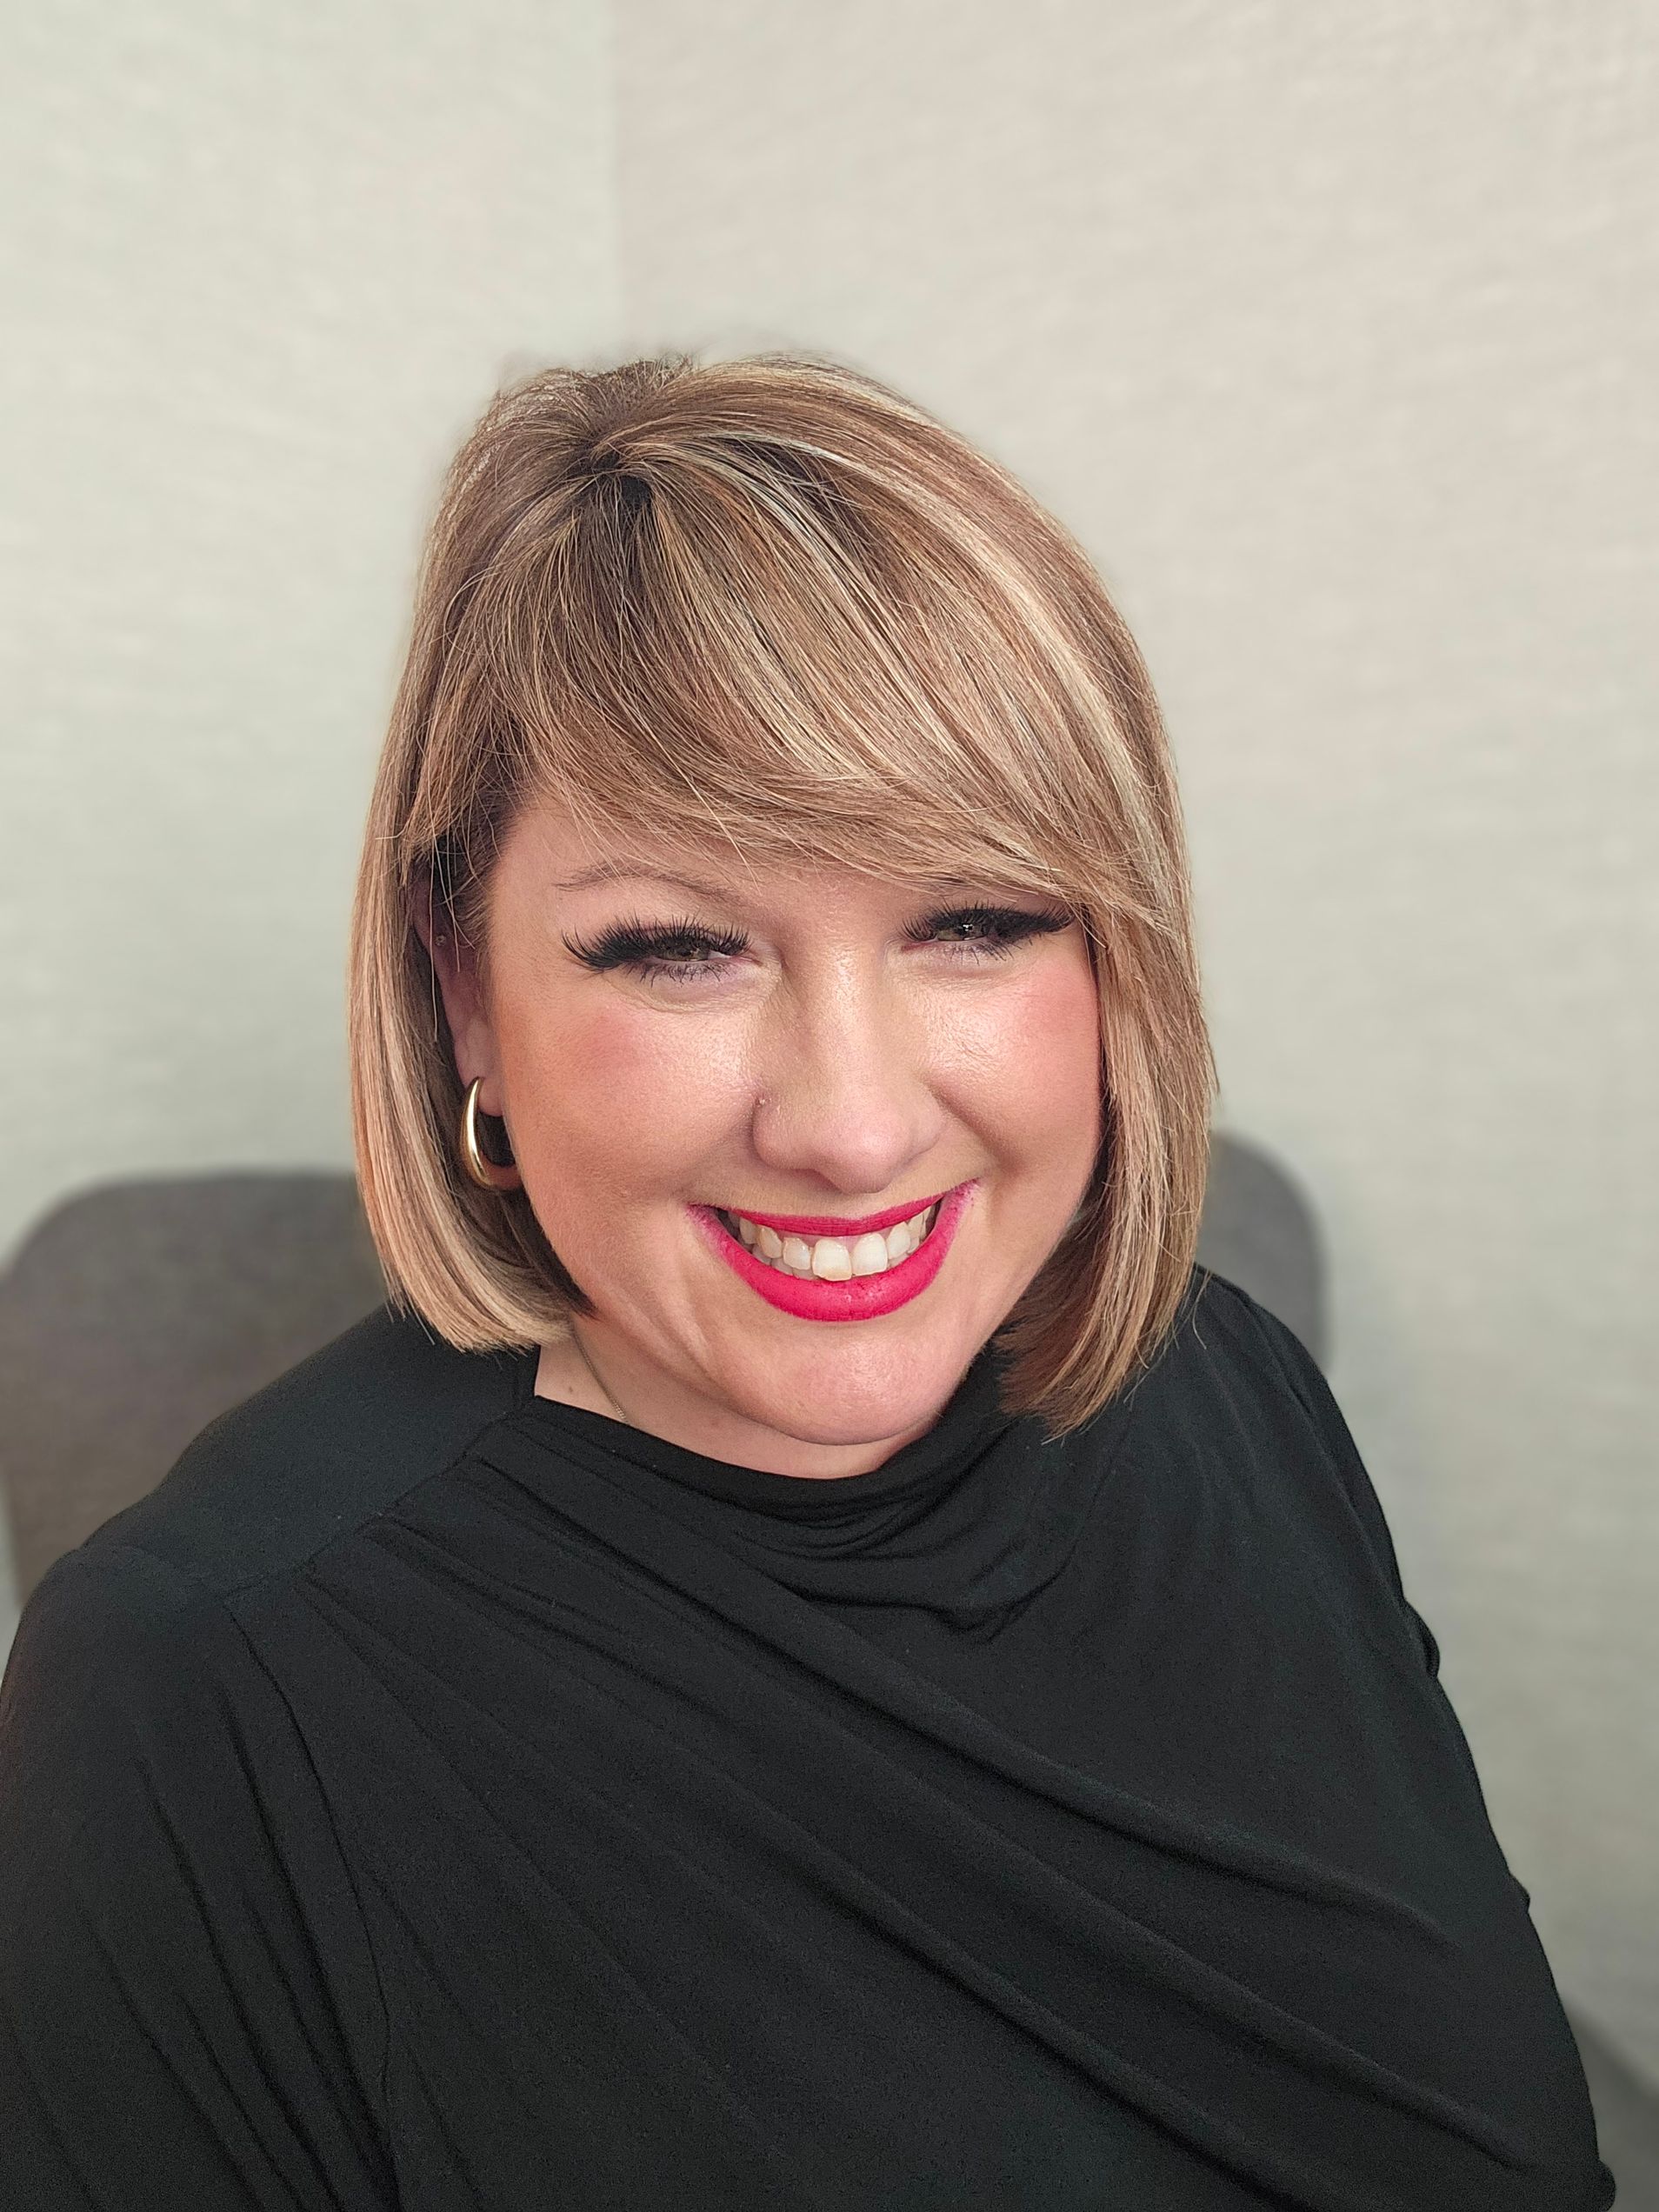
1334	335
261	266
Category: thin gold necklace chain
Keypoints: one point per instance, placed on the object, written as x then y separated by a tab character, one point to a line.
593	1370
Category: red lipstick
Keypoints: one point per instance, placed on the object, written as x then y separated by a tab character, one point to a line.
826	1225
864	1297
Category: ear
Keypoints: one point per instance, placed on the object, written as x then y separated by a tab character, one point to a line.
454	965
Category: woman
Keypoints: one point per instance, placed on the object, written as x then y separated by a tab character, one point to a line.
807	1657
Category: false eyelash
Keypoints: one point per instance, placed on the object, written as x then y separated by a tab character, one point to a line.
633	943
642	945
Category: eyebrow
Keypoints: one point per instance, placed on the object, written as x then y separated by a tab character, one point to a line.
608	871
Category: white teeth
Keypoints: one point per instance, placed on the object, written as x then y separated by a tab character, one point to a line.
869	1255
832	1259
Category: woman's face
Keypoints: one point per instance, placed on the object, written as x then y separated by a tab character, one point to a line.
813	1043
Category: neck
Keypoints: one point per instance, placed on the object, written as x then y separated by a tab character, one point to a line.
565	1372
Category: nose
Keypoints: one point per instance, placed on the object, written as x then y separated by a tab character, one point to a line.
843	1093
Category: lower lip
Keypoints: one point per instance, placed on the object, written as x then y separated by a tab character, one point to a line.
862	1298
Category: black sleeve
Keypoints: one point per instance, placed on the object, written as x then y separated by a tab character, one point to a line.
188	2009
1301	1372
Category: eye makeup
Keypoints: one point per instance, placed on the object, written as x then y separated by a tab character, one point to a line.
671	951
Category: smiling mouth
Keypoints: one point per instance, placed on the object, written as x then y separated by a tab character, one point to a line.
832	1259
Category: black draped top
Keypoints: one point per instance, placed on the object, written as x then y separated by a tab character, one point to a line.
436	1796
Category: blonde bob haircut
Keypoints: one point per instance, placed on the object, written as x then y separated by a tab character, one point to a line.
770	605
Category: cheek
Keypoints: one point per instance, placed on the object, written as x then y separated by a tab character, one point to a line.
612	1084
1037	1051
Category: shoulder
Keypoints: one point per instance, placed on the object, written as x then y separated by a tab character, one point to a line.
334	1440
112	1657
1226	1341
1261	1374
131	1657
1231	1371
1237	1375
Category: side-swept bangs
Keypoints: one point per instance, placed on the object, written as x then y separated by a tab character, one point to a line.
770	605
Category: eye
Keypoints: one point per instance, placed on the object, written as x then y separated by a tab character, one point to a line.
677	952
995	931
656	949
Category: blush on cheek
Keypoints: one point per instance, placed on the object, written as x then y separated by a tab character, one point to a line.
1055	1077
628	1093
1045	1037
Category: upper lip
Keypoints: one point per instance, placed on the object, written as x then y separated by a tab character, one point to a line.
825	1225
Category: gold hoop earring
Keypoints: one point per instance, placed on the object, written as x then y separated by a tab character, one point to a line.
485	1173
